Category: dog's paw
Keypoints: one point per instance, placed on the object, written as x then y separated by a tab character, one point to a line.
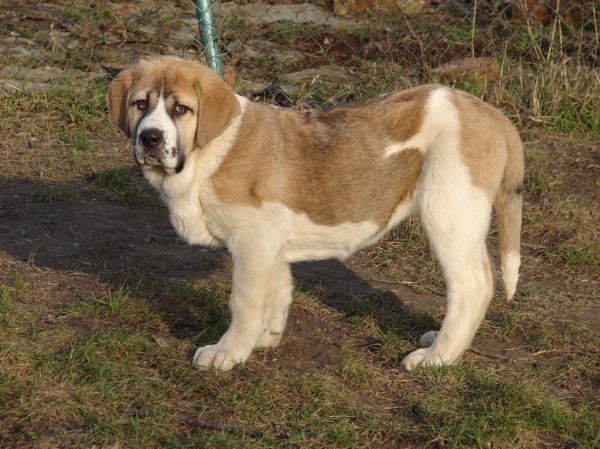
221	356
269	339
427	357
427	339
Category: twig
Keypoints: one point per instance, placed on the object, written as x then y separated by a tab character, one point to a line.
578	295
434	291
209	425
500	356
382	281
413	284
196	337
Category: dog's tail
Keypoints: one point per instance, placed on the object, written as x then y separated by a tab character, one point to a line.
508	206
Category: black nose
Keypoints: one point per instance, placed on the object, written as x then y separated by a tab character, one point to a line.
151	137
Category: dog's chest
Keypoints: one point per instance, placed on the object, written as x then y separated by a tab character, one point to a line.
189	220
182	195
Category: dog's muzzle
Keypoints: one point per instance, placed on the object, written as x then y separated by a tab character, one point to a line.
151	145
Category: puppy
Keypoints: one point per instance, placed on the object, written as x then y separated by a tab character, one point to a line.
277	186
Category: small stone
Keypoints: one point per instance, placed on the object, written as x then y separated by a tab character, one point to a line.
487	68
367	51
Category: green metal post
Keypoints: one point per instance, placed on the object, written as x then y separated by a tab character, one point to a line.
208	33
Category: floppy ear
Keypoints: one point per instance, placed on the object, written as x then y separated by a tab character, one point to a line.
117	99
217	106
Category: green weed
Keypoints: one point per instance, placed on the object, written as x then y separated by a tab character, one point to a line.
5	301
117	304
125	188
580	251
56	194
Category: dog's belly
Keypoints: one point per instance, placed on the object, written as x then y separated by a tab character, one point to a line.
310	241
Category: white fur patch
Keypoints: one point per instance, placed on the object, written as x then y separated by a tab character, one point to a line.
310	241
439	109
159	119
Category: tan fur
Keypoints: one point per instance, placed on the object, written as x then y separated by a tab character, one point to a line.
215	106
117	100
509	200
482	153
327	164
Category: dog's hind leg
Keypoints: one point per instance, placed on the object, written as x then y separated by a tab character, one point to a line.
276	310
456	221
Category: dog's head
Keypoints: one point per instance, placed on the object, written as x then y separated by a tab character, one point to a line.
170	106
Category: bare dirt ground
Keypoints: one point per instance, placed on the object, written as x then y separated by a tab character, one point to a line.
69	240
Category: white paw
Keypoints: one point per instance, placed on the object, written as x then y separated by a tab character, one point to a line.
269	339
222	356
427	339
427	357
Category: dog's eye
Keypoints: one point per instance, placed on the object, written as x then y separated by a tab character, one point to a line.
142	105
181	109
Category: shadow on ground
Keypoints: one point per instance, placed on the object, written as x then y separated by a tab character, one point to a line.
84	233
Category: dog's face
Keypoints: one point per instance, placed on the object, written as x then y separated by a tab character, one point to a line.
170	107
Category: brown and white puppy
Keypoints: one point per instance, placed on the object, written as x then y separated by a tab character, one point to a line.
276	186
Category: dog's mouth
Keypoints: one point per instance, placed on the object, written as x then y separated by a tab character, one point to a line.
154	148
151	159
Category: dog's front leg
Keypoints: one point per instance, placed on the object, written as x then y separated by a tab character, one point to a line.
256	272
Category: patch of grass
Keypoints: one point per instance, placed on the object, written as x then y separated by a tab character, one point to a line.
567	229
68	120
119	304
284	31
123	186
133	196
580	251
509	323
19	282
466	407
394	346
355	372
539	184
13	318
56	194
113	178
88	385
5	300
207	306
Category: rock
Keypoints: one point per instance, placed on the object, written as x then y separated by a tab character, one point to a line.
20	51
253	49
11	86
347	8
544	12
487	68
414	7
524	10
258	14
367	51
329	75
